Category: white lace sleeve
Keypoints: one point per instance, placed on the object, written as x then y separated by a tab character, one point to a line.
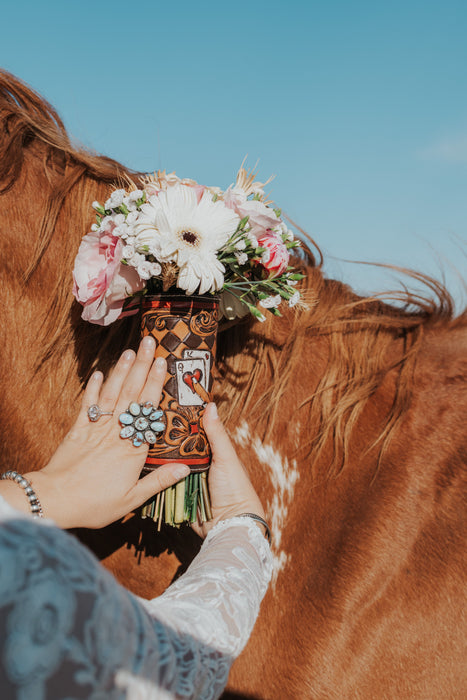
212	608
68	629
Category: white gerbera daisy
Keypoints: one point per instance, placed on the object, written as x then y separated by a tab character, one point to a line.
190	233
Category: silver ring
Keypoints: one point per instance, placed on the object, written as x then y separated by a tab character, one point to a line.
95	412
141	423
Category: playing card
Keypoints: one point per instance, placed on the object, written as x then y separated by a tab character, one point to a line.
199	354
188	374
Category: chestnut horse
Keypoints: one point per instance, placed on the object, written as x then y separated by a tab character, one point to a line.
350	417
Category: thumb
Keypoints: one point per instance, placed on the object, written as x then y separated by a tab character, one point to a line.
221	447
158	480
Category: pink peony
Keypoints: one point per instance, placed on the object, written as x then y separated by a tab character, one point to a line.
276	257
101	282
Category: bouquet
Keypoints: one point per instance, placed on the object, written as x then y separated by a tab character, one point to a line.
172	240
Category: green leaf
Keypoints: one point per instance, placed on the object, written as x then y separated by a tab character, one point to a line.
278	213
296	276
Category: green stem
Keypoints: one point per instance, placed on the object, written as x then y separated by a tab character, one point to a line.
179	504
194	503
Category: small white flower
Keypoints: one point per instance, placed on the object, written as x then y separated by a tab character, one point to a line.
95	227
96	205
240	245
252	238
144	270
118	219
242	258
271	302
122	231
294	299
132	218
115	199
155	269
135	195
131	206
136	260
290	236
265	257
128	251
106	223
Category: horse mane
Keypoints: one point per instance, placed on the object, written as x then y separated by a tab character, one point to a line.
357	331
33	138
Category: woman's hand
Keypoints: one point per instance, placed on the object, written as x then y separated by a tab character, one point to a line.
93	478
231	490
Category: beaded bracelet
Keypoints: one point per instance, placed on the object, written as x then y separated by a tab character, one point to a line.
34	503
259	520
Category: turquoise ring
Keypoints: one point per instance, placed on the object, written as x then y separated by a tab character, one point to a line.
141	423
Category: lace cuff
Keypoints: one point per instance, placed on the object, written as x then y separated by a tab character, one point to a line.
217	600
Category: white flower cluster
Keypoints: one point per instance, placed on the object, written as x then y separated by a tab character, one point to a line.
122	225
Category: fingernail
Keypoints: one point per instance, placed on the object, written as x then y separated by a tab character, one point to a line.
148	341
181	471
128	354
160	362
96	376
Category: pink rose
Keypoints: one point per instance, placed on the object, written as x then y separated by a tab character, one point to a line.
101	282
261	218
276	256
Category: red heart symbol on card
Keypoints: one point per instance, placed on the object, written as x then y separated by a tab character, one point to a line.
189	376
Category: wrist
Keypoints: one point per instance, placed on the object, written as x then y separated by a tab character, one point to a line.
17	490
48	492
259	521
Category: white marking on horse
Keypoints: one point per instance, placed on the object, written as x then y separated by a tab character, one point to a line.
283	475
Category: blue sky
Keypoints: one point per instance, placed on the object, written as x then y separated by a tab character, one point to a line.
359	108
